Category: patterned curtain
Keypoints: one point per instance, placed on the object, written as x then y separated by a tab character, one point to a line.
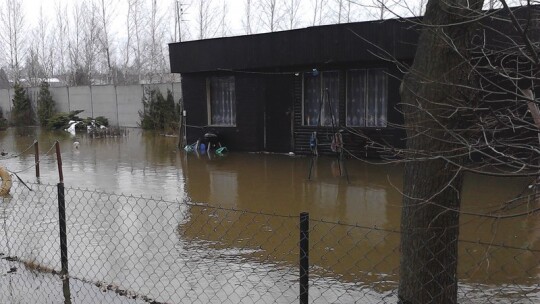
222	101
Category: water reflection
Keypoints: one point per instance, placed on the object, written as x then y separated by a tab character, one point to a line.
124	235
276	184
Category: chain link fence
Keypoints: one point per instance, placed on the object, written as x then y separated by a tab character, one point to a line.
125	249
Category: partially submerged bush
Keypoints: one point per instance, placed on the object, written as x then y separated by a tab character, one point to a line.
159	113
60	121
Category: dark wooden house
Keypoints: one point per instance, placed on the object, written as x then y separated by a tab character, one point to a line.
269	92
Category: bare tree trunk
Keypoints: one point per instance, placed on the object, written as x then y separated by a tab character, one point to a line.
138	22
292	9
62	25
319	11
104	37
75	44
12	18
431	91
247	22
42	35
270	14
206	19
224	26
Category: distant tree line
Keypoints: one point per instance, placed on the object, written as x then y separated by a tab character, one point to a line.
125	41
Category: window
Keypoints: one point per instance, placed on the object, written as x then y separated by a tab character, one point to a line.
221	101
321	99
367	98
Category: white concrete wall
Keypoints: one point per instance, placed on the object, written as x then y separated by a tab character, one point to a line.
129	103
61	98
120	104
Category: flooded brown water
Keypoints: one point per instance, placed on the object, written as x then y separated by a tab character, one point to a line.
233	200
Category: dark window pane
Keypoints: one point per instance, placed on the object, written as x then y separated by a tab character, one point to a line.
356	98
312	99
377	99
321	102
367	98
330	109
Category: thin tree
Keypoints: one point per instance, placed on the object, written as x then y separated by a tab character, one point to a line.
12	34
224	23
106	11
136	23
319	11
91	40
270	14
78	76
33	69
44	45
205	18
339	10
157	61
60	40
247	19
292	14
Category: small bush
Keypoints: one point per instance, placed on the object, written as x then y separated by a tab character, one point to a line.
159	113
60	121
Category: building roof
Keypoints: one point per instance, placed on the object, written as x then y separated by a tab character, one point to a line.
312	46
331	45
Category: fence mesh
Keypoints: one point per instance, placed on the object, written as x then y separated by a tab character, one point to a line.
125	249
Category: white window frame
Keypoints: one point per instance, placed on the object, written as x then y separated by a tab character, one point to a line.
209	100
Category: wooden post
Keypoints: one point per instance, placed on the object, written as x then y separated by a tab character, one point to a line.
36	148
59	161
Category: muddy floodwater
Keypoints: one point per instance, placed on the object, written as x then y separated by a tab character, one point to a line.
241	209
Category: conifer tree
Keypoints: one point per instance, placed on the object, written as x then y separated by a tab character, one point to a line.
23	113
45	104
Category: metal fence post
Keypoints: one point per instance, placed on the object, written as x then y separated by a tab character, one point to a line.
63	230
304	257
36	148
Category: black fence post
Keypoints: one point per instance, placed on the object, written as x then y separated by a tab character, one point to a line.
63	230
304	257
36	149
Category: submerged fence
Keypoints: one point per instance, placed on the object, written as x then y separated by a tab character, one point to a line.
81	246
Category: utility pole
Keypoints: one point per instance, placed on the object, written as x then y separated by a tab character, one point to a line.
179	12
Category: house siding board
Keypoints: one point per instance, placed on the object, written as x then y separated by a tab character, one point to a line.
246	135
194	90
278	110
329	44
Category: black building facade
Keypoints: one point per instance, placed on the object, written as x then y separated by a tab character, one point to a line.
269	92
